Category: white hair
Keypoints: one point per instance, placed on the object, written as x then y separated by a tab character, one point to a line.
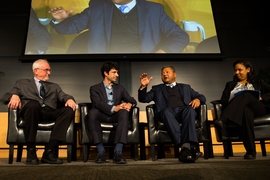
37	63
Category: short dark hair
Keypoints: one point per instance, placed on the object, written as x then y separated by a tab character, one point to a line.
107	66
251	75
172	68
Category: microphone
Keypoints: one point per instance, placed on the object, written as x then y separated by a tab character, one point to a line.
110	93
245	86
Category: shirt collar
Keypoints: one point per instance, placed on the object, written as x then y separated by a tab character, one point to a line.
129	5
174	84
105	85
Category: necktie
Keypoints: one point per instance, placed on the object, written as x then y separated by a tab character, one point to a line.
170	85
42	90
122	8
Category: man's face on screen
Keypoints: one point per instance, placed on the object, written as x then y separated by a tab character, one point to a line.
121	2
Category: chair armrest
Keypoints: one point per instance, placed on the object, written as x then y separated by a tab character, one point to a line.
84	110
70	133
202	115
12	131
150	114
134	117
217	107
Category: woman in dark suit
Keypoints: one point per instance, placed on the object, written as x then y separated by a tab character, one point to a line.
242	109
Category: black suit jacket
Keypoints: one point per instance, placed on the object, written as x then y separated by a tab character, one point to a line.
158	94
258	85
99	97
27	90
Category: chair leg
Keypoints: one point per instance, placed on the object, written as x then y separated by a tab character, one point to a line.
230	148
263	147
153	152
161	152
19	153
111	152
206	149
136	152
210	148
69	153
11	151
226	148
176	151
85	152
56	151
132	151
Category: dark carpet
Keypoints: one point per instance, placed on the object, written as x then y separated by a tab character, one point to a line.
216	168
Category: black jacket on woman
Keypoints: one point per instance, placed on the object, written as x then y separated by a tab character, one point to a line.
258	85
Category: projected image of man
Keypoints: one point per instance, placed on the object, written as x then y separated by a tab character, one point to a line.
142	27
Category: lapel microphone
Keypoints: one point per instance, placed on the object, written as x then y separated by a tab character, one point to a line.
110	93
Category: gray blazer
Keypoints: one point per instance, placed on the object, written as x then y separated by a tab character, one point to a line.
27	90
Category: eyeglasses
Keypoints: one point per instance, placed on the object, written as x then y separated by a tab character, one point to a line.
45	70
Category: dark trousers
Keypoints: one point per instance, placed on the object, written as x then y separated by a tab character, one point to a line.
33	113
120	118
241	110
172	118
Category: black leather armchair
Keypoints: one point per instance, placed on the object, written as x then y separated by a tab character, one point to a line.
15	135
230	133
158	134
85	137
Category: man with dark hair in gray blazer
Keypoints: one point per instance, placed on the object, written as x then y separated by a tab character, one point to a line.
37	100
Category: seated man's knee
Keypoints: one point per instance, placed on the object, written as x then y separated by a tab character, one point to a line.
123	112
69	111
33	104
93	113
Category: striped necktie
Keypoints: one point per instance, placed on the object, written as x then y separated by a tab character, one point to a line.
42	90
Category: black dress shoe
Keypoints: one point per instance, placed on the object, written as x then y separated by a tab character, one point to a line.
32	157
101	158
50	157
185	156
250	155
118	158
219	124
196	154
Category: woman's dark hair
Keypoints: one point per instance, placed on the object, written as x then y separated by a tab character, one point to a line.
251	75
107	66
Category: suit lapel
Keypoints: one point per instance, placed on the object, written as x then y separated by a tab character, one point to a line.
46	87
163	90
181	90
108	13
115	96
103	91
142	11
34	86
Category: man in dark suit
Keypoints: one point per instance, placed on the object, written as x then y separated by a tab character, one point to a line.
142	27
110	103
37	100
175	103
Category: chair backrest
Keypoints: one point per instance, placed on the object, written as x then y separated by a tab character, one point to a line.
79	44
217	107
15	132
157	130
261	125
108	128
